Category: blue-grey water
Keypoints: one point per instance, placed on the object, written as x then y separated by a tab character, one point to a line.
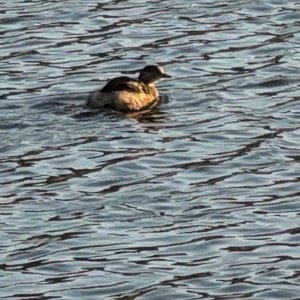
197	199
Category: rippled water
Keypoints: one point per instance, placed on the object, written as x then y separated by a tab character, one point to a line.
198	199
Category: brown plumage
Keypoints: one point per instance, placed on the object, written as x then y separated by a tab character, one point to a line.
129	94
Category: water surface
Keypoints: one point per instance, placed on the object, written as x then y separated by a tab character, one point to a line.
198	199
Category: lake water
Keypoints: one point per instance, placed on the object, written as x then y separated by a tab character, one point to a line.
198	199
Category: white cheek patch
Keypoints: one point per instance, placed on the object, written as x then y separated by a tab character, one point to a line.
161	69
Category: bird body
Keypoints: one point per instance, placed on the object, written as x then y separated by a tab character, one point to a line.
129	94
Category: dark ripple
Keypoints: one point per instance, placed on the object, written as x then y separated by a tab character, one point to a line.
196	199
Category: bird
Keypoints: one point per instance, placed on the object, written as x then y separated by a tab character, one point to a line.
129	94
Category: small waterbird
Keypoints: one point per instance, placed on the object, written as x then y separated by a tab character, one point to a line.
129	94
